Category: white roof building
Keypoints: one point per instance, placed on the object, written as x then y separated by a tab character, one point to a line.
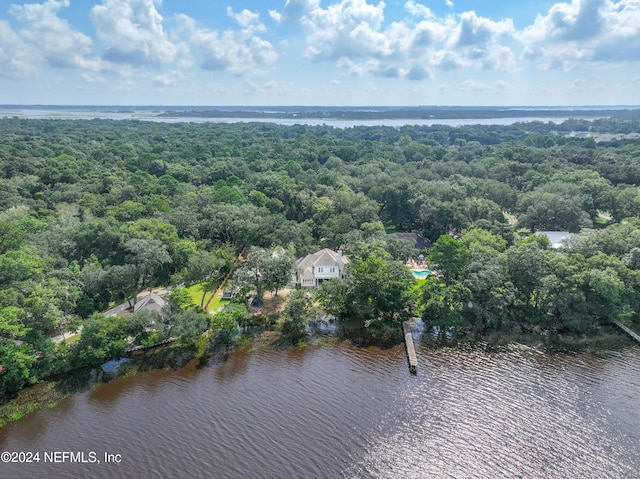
556	238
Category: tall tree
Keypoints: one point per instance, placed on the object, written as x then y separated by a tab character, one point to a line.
446	305
269	269
278	269
377	287
206	267
148	256
450	256
297	312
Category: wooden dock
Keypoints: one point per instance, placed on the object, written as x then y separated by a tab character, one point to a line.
411	350
628	330
136	350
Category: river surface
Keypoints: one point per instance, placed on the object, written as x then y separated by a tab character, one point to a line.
150	115
347	412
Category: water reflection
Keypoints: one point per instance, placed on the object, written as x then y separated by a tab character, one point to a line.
344	411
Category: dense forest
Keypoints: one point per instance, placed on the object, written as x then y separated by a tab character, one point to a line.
92	212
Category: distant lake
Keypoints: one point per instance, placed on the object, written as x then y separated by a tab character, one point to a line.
152	115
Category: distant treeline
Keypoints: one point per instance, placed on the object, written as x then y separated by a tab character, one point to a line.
402	113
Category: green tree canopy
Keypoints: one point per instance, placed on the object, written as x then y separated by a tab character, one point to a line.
450	256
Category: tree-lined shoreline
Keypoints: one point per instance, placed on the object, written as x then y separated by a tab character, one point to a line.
93	211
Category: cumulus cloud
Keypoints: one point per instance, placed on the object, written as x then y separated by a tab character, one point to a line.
583	32
275	16
418	10
245	18
418	72
474	31
294	11
44	39
353	34
16	57
237	51
134	34
347	28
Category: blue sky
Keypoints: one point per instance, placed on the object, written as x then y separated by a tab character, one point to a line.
320	52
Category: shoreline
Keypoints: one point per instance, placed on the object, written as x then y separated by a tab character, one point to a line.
48	393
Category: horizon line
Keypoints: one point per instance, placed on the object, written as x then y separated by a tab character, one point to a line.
590	106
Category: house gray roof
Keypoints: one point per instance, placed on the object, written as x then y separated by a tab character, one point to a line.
324	257
151	302
418	241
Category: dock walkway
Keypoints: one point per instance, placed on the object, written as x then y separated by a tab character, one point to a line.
628	330
411	350
141	349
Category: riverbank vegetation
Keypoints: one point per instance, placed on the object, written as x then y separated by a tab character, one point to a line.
93	212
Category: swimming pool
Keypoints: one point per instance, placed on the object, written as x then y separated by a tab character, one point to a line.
422	274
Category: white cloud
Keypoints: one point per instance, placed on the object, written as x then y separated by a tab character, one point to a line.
418	72
584	32
295	10
275	16
418	10
478	32
133	33
478	42
237	51
348	28
355	68
57	43
245	18
17	59
168	78
353	34
447	60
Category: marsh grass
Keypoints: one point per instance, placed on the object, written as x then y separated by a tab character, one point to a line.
40	396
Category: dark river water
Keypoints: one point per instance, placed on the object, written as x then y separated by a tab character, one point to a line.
345	412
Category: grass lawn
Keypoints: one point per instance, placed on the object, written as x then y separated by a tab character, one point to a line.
195	292
217	303
73	338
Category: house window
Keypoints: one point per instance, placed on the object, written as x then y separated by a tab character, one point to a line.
332	270
319	270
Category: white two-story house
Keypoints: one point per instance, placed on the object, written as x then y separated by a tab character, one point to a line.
315	268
